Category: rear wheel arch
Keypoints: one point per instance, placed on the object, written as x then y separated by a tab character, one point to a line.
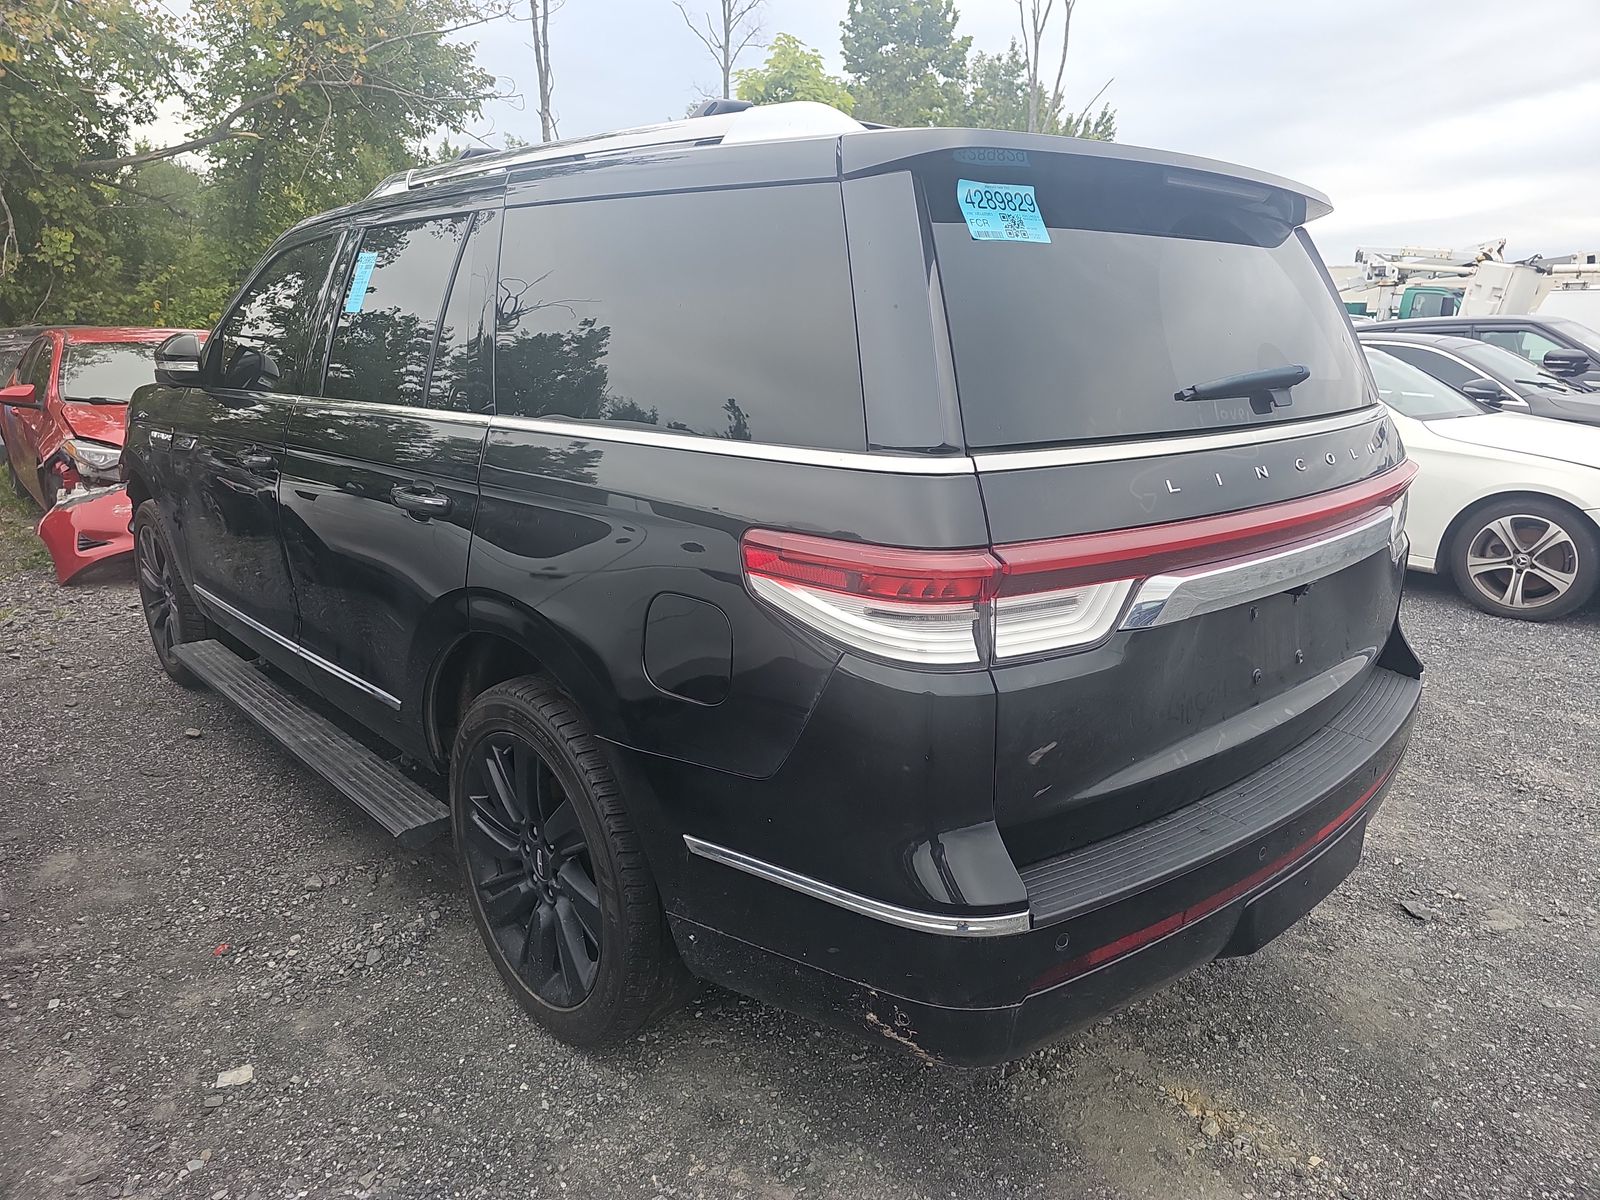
506	640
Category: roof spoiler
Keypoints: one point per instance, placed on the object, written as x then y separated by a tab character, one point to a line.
889	150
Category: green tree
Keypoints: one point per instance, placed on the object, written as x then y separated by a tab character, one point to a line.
295	106
904	63
997	98
75	80
793	71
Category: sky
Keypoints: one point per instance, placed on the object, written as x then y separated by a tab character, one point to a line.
1427	123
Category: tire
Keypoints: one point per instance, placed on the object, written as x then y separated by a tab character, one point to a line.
17	485
170	612
555	876
1529	559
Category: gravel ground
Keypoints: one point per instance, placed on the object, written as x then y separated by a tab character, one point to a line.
178	899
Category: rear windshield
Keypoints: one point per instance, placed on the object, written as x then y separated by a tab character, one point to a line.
106	371
1152	281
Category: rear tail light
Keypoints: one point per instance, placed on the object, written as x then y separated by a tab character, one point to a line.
913	605
964	607
935	607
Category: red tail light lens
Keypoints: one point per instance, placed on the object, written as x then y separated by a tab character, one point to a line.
882	572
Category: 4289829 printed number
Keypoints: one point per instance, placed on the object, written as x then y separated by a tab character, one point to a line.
1004	201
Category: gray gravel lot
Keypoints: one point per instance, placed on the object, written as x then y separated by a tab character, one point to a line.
173	907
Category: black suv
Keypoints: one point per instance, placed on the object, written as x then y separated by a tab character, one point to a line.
942	582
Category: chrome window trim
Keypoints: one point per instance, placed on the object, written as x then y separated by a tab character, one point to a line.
893	914
1100	452
849	460
1166	599
397	410
315	660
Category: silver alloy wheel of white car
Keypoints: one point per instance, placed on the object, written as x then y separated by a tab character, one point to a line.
1523	561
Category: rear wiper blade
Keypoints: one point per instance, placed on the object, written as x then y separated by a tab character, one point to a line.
1264	389
95	400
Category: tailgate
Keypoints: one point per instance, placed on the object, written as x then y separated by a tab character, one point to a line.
1247	654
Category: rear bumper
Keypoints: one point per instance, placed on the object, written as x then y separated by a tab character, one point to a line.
1103	926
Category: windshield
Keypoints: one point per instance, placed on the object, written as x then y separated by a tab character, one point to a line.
1513	367
1415	393
1105	288
102	371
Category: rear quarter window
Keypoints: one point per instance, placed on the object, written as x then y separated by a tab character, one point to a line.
721	313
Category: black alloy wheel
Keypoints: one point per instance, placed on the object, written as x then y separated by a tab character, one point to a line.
156	579
532	869
559	886
169	610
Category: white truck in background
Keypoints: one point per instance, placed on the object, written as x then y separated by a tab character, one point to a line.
1476	281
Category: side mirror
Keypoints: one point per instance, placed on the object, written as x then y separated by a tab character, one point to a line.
21	395
1484	391
1566	362
178	361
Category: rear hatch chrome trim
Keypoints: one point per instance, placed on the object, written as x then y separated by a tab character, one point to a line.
1166	599
1098	452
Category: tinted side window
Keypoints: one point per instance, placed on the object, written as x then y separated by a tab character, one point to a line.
1527	343
727	314
264	343
38	372
30	362
10	359
389	312
1436	365
459	379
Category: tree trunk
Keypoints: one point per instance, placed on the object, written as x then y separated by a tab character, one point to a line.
727	49
540	11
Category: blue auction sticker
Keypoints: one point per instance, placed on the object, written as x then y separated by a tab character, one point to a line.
357	295
1001	212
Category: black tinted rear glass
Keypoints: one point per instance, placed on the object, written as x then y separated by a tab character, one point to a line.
724	313
1151	281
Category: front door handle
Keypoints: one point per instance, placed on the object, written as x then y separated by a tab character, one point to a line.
419	501
258	462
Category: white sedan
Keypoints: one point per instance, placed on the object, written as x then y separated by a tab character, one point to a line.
1508	504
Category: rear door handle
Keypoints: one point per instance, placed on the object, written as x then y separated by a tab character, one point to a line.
420	502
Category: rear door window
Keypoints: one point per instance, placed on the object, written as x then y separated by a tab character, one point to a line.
723	313
1151	281
390	308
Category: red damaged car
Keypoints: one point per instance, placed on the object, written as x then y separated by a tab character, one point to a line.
62	417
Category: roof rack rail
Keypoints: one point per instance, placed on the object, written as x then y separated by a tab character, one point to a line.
736	123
